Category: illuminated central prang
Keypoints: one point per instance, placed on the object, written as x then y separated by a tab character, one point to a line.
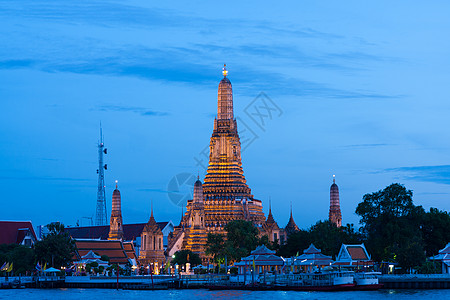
227	195
224	196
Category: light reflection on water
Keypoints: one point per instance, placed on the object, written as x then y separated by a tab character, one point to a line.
110	294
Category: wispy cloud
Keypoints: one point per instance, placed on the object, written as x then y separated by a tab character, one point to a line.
45	178
436	174
359	146
188	62
134	109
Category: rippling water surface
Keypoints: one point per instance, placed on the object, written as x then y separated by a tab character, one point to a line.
108	294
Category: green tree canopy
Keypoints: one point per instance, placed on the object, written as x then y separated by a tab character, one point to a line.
215	245
435	230
22	257
242	237
186	256
391	224
56	248
325	235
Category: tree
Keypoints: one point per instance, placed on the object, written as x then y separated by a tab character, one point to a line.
296	243
22	257
435	230
186	256
242	238
391	223
215	245
325	235
56	248
105	258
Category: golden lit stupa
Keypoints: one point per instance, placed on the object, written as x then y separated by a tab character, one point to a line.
226	195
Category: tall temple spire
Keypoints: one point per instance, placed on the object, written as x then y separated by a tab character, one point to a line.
270	206
224	70
198	192
151	209
335	207
225	98
115	223
225	177
291	227
226	195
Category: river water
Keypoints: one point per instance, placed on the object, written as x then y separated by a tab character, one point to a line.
110	294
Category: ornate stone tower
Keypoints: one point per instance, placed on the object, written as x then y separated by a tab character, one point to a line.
196	234
335	207
271	229
291	227
115	223
152	248
227	195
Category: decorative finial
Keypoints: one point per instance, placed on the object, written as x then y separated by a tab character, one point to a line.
270	206
334	178
151	215
117	181
224	70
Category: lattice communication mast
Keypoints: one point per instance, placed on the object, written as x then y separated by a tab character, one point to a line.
100	213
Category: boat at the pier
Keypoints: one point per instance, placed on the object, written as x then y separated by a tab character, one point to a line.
367	281
320	281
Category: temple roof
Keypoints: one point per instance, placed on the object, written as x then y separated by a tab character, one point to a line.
130	231
446	249
334	186
312	250
198	182
262	250
262	256
313	256
270	222
113	249
291	227
353	253
13	232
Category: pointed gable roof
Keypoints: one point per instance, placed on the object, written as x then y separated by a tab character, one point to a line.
444	254
262	256
13	232
270	223
313	256
114	249
91	255
262	250
152	226
312	250
130	231
291	227
445	250
352	255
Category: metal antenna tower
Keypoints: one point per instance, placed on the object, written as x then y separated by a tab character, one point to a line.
100	213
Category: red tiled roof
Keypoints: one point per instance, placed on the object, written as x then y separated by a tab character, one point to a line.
113	249
129	249
10	232
130	231
357	253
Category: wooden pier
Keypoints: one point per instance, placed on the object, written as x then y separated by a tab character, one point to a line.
416	281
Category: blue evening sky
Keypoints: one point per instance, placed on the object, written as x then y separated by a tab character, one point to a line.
361	88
